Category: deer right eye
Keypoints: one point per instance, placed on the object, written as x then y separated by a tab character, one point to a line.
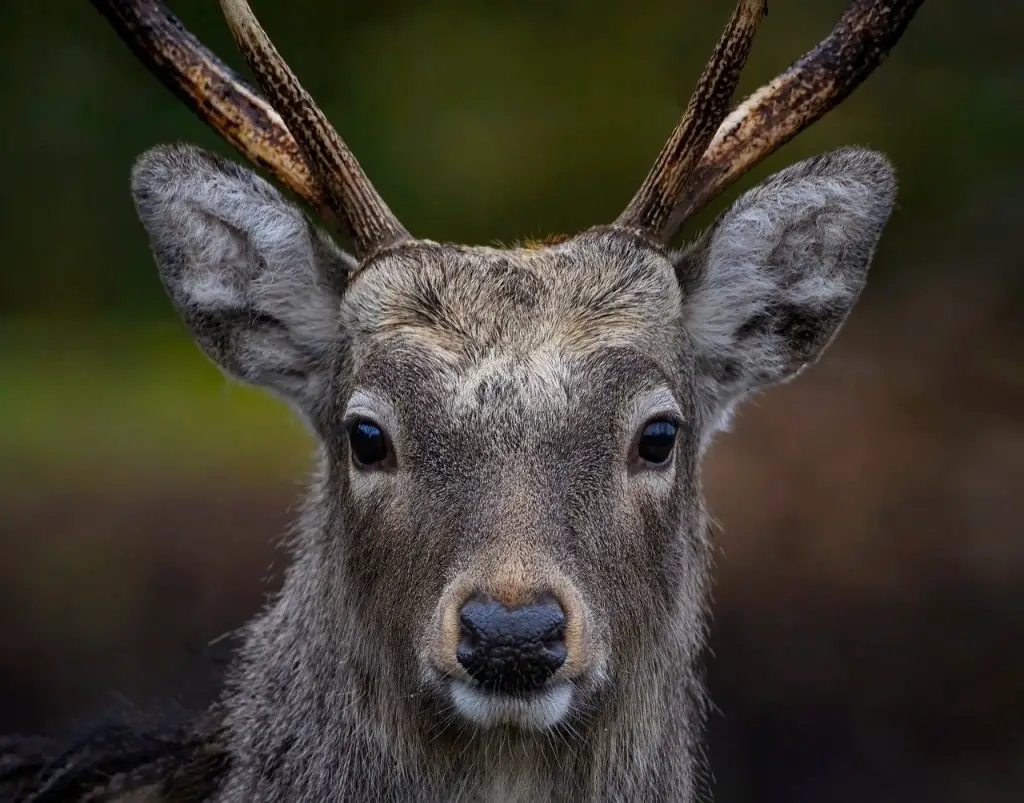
368	442
657	441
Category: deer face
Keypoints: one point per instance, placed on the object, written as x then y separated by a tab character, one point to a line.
517	437
511	508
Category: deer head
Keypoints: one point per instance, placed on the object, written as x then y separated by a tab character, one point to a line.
507	532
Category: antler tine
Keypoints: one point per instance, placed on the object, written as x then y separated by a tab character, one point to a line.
652	206
348	191
219	97
804	93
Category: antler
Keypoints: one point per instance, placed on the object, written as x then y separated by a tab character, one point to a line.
350	193
680	184
289	136
654	201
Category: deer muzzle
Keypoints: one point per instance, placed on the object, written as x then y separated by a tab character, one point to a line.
512	649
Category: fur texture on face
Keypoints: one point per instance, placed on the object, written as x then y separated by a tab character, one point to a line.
512	387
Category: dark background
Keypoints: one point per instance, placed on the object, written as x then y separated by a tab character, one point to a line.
869	608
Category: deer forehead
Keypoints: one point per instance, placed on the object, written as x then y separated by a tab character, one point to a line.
484	312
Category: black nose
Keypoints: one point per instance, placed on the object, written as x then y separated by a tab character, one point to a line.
512	649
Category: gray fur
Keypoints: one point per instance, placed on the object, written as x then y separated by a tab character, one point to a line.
773	280
512	384
256	282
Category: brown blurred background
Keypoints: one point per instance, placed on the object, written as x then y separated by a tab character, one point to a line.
868	642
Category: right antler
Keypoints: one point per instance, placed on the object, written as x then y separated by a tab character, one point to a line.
694	167
289	135
653	203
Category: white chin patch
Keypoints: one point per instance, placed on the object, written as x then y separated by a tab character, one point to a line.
538	711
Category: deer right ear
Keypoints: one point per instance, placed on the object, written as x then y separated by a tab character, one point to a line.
769	286
258	285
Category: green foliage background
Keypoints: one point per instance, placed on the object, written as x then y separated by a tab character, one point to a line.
478	121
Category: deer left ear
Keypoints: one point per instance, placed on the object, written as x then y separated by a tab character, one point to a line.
768	287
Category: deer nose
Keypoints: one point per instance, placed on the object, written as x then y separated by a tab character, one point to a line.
511	649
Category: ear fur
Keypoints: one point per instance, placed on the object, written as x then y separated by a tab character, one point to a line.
257	284
767	288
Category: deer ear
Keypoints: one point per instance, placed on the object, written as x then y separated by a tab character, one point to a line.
258	285
767	288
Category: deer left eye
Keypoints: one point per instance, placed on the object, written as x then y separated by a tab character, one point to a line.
657	441
369	445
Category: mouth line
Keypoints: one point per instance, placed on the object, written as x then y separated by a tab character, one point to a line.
533	710
526	696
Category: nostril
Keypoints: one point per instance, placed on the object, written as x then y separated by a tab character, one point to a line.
512	649
472	621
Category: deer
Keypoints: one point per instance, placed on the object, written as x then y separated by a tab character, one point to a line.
498	588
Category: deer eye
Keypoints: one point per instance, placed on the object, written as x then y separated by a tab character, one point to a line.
369	444
656	442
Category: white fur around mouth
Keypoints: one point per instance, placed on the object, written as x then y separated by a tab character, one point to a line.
539	710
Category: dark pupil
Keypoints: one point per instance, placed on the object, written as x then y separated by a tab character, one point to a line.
368	443
657	441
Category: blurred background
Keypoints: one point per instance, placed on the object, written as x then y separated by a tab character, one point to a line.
868	639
